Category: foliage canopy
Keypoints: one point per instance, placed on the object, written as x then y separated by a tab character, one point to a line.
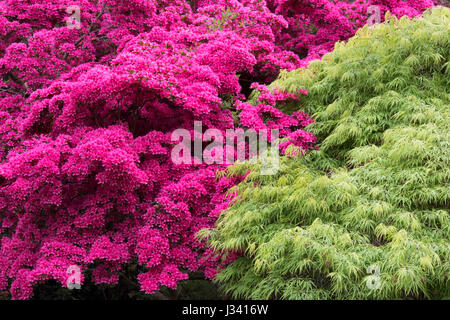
374	197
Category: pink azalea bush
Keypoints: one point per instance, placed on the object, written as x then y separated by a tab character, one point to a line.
86	116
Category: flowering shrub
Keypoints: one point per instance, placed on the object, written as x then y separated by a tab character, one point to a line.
87	110
312	24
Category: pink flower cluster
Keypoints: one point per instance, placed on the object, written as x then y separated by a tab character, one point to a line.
266	116
315	25
86	117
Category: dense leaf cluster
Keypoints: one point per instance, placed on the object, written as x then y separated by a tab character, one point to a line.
366	216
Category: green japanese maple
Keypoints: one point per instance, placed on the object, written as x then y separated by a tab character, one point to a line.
367	215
